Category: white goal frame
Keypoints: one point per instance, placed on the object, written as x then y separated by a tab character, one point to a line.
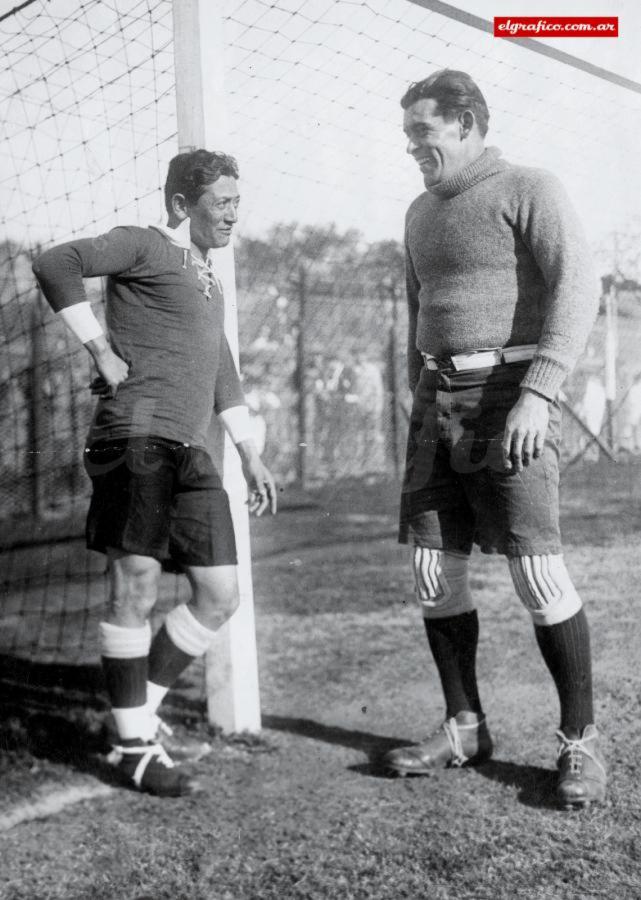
233	699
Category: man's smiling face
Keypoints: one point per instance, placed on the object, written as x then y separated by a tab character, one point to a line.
214	215
436	143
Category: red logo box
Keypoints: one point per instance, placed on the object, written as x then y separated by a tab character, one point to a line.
556	26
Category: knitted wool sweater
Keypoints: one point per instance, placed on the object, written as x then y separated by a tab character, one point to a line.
496	257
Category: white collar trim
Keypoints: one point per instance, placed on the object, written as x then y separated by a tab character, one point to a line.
180	236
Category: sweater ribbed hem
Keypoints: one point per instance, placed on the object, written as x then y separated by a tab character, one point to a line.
545	376
488	163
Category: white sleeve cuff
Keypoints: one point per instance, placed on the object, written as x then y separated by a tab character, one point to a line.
237	423
80	319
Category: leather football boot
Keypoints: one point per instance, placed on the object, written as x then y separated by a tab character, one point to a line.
145	766
461	741
582	775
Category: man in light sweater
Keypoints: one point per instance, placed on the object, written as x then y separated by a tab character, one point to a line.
164	368
501	300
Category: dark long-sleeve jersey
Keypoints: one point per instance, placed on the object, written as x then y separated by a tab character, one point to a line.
165	318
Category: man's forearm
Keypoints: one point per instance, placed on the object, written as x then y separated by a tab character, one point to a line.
99	347
247	450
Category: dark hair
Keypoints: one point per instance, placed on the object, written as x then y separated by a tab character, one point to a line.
454	92
190	173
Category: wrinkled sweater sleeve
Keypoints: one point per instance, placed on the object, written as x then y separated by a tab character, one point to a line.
228	391
60	271
414	358
551	230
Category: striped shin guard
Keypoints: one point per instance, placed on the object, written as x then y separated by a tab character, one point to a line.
545	588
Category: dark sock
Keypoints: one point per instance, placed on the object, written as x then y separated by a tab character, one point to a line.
453	642
565	647
126	681
166	661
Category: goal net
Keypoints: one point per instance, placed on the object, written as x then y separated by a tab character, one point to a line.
89	124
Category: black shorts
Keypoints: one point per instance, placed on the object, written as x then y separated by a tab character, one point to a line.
159	498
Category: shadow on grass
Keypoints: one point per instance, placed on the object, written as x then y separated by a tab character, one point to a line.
68	737
53	712
76	739
374	746
534	784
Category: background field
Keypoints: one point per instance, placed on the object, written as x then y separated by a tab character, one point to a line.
304	811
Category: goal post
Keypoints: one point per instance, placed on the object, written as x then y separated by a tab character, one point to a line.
232	688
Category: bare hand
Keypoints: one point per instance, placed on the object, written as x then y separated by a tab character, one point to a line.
261	485
111	368
525	430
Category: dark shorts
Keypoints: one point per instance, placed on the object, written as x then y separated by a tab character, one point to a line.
158	498
456	490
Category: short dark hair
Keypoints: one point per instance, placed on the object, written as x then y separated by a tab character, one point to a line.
454	92
190	173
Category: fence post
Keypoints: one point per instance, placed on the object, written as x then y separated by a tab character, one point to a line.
300	379
611	349
37	416
389	289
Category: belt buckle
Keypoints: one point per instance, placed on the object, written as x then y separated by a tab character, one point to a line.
429	362
477	359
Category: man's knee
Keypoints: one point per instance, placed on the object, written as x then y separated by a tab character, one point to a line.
441	580
134	587
545	588
215	593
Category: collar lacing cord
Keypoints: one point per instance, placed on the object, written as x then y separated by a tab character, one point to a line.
179	237
576	749
206	274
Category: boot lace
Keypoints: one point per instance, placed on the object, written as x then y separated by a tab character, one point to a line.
573	751
451	729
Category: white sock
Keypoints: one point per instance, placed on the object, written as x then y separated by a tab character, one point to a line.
133	723
156	693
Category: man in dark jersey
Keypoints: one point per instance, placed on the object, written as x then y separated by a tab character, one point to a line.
501	300
164	368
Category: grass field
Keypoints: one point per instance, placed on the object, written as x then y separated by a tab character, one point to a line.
305	811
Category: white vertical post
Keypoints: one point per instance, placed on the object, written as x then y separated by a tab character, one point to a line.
611	352
232	670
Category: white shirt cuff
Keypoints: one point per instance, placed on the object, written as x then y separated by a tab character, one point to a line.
237	423
80	319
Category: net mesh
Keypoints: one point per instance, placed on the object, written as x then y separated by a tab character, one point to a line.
313	93
312	89
89	125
